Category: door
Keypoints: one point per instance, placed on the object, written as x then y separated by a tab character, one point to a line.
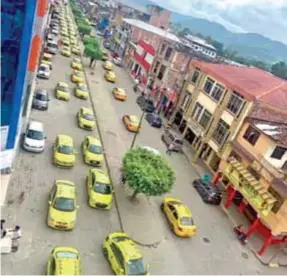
116	259
170	213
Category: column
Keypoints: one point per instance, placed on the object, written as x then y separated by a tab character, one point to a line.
230	197
266	244
252	227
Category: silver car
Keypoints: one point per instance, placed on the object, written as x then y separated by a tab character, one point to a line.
44	71
168	137
41	99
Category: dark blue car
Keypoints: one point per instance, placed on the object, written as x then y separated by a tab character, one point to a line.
154	119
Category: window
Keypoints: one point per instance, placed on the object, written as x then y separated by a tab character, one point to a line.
251	135
278	152
168	53
217	92
185	101
235	103
221	132
195	76
162	49
205	118
197	111
156	67
208	85
161	72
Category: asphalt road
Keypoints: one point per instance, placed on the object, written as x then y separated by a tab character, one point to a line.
214	250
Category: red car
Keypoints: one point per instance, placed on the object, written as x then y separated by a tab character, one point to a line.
115	55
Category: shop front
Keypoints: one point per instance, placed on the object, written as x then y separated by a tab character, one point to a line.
253	200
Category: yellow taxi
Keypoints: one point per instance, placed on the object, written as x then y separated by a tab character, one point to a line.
76	50
66	51
64	33
86	119
119	246
105	56
62	91
81	91
64	260
108	65
64	153
66	42
77	76
132	123
110	76
120	94
47	59
76	64
63	207
72	33
73	41
100	192
179	217
93	153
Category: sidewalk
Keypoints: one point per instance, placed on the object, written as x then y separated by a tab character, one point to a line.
5	178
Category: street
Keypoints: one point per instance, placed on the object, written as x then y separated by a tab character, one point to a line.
214	250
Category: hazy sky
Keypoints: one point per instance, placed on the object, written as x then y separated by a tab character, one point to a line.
267	17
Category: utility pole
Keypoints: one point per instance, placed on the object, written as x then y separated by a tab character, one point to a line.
142	116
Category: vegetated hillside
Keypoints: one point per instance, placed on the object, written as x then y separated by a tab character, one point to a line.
248	45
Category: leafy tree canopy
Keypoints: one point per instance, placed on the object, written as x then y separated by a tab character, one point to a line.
84	29
93	52
147	173
91	40
279	69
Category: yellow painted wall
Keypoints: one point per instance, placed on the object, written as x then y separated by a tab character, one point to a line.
206	102
227	117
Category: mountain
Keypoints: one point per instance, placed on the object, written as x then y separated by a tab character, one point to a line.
248	45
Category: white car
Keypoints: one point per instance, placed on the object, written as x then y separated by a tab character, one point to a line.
34	138
55	31
118	61
154	151
44	71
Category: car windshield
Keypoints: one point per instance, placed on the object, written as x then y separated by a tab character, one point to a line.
46	58
35	135
44	68
96	149
76	60
136	267
102	188
83	87
52	45
63	88
67	255
186	221
78	73
65	150
88	116
41	97
64	204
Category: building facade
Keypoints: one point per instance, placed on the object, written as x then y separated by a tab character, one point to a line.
254	168
214	103
20	25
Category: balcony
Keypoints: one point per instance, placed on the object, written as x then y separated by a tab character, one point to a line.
252	190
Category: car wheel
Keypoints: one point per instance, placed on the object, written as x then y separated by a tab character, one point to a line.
105	252
161	206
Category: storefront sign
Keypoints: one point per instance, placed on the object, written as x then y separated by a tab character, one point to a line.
4	134
149	58
139	50
6	158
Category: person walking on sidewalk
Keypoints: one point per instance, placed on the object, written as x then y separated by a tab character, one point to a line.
170	148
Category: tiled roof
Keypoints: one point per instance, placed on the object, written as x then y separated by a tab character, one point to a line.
270	121
252	83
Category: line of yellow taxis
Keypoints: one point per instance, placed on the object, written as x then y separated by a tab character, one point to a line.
120	250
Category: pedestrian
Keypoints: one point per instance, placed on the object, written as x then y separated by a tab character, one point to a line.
170	148
123	180
17	233
2	223
137	82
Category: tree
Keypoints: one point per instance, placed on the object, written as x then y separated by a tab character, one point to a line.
147	173
279	69
91	40
84	29
218	46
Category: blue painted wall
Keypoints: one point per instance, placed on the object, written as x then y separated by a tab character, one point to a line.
17	17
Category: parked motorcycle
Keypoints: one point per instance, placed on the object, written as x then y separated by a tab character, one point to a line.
240	234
